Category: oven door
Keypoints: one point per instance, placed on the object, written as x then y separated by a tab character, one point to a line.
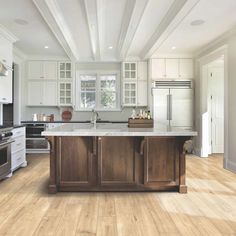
5	159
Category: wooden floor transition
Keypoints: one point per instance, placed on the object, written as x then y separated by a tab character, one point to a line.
209	208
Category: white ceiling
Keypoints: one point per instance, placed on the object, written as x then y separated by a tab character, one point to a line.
86	29
32	37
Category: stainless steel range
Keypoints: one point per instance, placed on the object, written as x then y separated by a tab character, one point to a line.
5	151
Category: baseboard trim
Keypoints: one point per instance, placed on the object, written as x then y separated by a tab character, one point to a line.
231	166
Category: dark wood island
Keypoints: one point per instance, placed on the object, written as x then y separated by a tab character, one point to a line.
113	157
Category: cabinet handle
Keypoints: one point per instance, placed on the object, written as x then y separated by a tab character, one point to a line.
4	99
4	60
18	158
142	147
18	144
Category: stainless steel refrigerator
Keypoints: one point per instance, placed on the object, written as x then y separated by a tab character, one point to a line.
173	103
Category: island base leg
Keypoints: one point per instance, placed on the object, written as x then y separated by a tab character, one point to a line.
183	189
52	189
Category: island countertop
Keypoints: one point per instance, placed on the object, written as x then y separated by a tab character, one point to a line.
116	130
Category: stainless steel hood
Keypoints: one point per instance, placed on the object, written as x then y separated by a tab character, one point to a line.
3	70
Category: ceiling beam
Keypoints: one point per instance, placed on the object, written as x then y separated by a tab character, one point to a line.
132	16
52	15
176	13
90	7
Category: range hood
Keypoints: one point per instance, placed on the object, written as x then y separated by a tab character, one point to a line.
3	70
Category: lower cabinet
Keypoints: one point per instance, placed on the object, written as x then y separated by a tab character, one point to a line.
76	166
161	161
117	163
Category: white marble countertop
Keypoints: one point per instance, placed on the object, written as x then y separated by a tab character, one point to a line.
116	130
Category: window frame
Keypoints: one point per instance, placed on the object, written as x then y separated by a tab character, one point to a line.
98	74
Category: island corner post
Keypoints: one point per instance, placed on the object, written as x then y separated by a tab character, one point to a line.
117	163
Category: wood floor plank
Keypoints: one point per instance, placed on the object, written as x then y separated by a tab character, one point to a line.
209	207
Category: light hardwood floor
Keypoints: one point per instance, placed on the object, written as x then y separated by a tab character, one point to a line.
209	208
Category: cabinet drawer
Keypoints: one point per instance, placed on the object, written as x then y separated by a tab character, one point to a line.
17	159
18	132
19	144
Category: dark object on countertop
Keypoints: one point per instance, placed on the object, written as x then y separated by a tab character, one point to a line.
140	123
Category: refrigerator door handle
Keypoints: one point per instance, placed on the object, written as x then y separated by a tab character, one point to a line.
170	107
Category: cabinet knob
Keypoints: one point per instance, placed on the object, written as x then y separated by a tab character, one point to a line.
4	60
4	99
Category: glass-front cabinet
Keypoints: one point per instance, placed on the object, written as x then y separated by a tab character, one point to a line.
65	70
65	93
130	70
129	93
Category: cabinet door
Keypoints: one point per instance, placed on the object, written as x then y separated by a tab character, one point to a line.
77	161
142	93
158	68
115	164
172	68
35	93
49	93
65	70
50	70
6	88
35	70
130	70
142	70
5	52
129	93
160	161
185	68
65	93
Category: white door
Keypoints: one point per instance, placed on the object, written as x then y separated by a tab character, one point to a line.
50	70
6	88
217	109
160	106
35	70
185	68
142	93
181	107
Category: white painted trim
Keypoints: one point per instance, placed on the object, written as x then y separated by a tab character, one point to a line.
7	34
134	11
17	53
175	15
211	56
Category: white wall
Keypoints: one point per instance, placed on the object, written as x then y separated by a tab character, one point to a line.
226	45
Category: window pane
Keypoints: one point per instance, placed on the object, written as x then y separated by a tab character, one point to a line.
62	66
108	82
108	99
88	82
87	100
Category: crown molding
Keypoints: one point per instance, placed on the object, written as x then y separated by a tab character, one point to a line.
132	17
7	34
175	15
19	54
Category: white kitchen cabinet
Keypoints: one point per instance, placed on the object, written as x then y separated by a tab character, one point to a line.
129	93
185	68
142	70
18	158
38	70
158	68
5	52
65	70
142	93
6	81
130	70
65	94
42	93
172	68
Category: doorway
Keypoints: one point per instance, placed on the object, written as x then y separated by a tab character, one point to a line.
215	106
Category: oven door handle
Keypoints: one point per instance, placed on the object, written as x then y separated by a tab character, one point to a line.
6	143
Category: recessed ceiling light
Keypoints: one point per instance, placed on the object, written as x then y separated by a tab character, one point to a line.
110	47
197	22
173	48
21	22
46	47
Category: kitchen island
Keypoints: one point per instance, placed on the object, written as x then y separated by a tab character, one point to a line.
113	157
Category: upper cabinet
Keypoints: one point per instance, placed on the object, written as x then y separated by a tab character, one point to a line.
171	68
42	70
65	70
134	84
6	81
130	70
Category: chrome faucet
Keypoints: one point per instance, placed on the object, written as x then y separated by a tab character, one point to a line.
95	117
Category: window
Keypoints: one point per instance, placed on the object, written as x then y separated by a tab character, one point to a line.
98	90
